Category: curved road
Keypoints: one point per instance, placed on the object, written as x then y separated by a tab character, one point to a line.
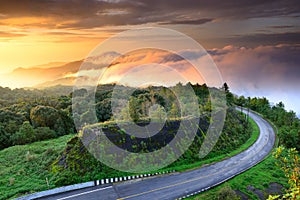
181	184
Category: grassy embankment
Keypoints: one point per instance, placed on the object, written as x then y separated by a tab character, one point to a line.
25	168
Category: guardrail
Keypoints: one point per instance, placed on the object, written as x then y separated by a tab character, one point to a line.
89	184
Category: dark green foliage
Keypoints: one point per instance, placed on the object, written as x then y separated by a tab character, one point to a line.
4	138
16	106
103	110
24	135
57	120
44	133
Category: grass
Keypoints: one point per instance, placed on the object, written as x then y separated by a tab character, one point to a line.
24	168
249	142
259	176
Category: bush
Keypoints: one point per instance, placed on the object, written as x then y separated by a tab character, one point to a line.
44	133
24	135
226	193
57	120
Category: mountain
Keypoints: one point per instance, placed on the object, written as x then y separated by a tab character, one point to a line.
55	73
48	65
28	77
67	81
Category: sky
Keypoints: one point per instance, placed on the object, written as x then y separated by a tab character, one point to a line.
255	44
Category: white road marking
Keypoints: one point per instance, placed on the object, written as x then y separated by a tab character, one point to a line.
83	193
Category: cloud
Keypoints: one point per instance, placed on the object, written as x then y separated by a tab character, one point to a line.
94	13
150	65
265	39
271	71
188	22
5	34
282	26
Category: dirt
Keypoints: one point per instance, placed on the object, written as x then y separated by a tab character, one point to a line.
258	192
273	189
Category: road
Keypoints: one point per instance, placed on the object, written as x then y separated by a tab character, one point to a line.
173	186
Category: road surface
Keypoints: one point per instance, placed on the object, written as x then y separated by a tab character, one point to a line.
173	186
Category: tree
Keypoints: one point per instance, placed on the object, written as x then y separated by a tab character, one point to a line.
229	95
174	111
57	120
134	109
226	87
4	138
103	110
24	135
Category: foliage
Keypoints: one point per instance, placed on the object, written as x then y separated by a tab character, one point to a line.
24	168
226	193
286	121
16	107
288	161
57	120
4	138
24	135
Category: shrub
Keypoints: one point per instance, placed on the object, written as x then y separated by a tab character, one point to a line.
44	133
24	135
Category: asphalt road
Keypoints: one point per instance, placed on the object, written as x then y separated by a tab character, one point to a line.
176	185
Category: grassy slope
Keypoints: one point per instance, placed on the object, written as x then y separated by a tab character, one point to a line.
24	168
30	171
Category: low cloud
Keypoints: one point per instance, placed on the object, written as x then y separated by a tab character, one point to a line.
4	34
270	71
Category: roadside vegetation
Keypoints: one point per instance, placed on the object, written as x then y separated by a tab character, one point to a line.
282	167
26	168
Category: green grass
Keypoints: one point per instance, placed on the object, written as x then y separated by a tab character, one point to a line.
259	176
24	168
249	142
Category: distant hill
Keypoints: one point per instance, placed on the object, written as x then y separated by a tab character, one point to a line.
52	74
48	65
68	81
28	77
